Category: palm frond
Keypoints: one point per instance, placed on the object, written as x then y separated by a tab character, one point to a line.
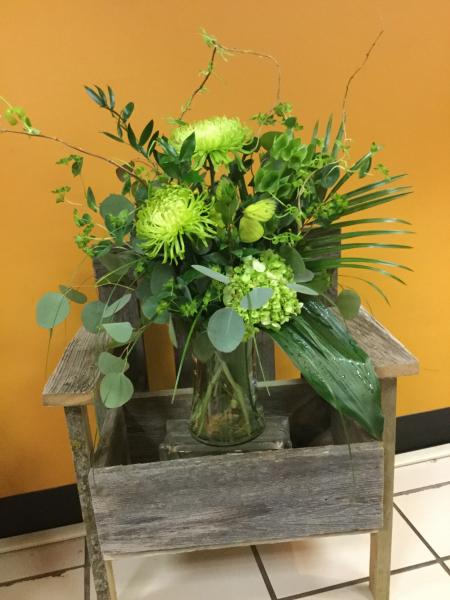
326	250
339	263
338	140
315	132
337	237
353	169
326	139
320	263
339	224
372	186
372	285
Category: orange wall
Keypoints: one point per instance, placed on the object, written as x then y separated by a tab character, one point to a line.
150	51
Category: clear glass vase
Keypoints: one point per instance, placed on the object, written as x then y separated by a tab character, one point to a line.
225	411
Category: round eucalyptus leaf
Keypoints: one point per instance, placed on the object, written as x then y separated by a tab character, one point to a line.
114	307
115	390
143	289
115	204
297	264
92	315
108	363
303	289
149	307
256	298
211	273
162	318
51	309
120	332
202	347
348	303
172	333
226	329
161	274
73	295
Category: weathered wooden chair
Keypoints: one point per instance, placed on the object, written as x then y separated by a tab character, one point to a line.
131	502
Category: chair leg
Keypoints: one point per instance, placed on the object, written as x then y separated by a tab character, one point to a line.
81	442
381	542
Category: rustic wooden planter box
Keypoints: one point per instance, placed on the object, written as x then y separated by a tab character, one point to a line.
233	499
134	504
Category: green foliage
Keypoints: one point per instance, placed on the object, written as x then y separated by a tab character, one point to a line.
120	332
333	364
115	390
92	315
60	193
52	309
256	298
211	273
348	303
226	252
226	330
73	295
108	363
74	160
202	347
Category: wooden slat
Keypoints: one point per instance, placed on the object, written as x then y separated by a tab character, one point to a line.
381	541
82	449
390	357
231	500
74	381
112	448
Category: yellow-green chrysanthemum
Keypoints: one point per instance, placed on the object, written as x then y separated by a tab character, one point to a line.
218	137
171	214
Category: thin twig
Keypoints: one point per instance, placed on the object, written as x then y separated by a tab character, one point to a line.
260	55
78	149
354	74
208	74
209	71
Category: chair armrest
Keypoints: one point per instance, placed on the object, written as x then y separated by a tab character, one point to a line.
75	379
389	356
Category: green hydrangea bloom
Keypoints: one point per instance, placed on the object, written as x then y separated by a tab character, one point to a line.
269	270
218	137
171	214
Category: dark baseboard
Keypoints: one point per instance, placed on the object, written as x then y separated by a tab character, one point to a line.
36	511
56	507
423	430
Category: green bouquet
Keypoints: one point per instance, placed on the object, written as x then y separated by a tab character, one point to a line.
226	230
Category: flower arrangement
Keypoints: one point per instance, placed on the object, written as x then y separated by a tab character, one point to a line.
229	230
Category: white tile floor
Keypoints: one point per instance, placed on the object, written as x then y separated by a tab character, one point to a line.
50	566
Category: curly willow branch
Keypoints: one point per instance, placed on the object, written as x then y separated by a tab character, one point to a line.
218	48
77	148
355	73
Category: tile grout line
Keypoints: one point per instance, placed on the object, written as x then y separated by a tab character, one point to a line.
345	584
329	588
40	576
263	572
423	540
434	486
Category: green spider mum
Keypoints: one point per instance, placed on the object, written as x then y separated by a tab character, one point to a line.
217	137
172	214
